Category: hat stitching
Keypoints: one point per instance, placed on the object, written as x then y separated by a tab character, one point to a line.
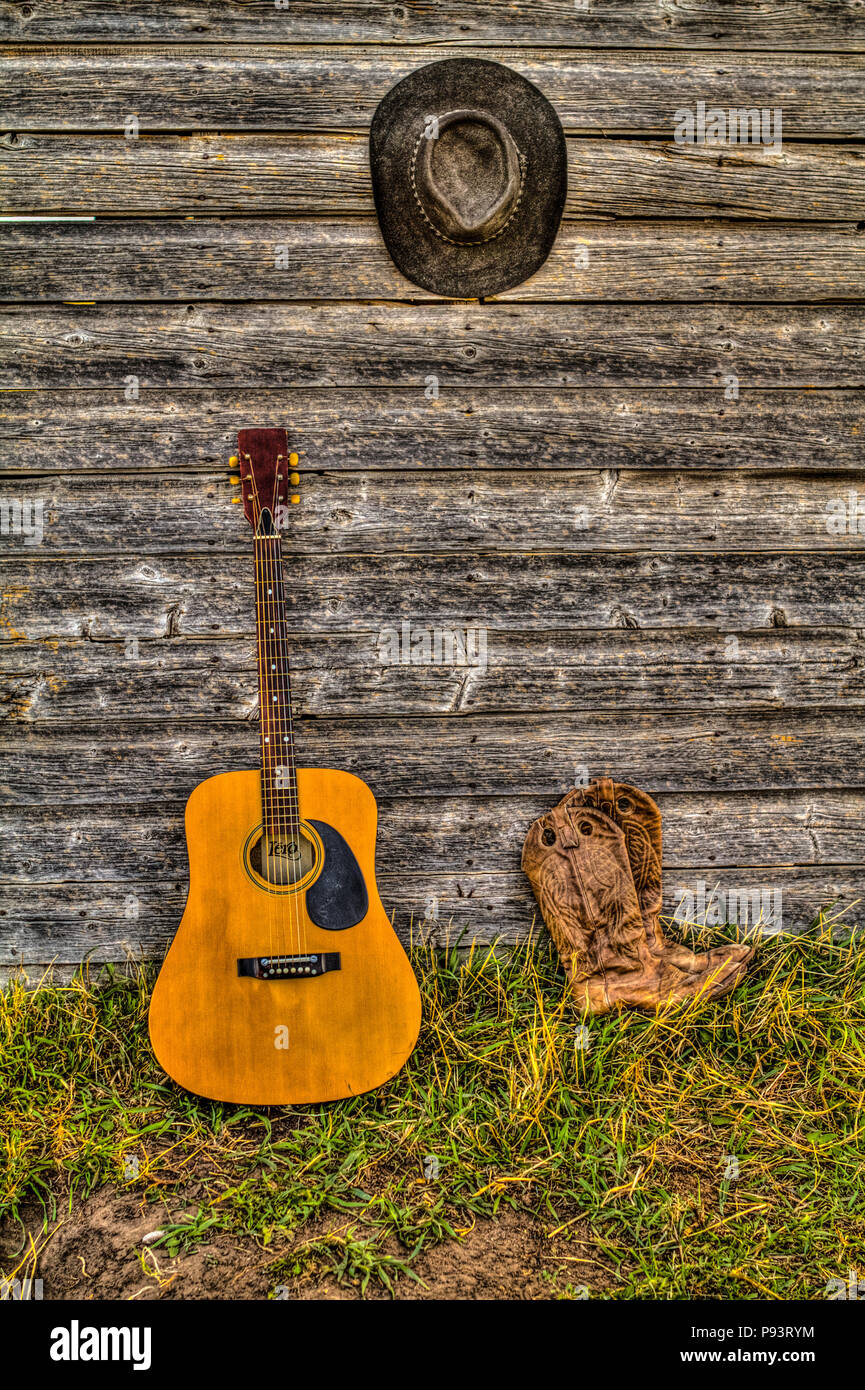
452	240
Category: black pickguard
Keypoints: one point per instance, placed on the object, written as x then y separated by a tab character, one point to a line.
338	899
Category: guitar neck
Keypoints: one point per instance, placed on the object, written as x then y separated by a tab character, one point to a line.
280	814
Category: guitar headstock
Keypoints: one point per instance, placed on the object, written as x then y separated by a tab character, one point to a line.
266	477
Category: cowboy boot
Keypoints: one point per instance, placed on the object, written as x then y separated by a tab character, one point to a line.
577	862
639	819
583	885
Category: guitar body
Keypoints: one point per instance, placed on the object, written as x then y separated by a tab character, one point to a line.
283	1038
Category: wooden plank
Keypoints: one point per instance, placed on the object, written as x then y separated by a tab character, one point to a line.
69	922
127	595
362	673
742	750
209	345
452	510
712	24
300	175
488	907
397	427
447	834
266	87
252	258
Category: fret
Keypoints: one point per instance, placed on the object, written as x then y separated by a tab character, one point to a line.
265	465
280	812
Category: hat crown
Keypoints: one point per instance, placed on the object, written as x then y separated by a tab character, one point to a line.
467	175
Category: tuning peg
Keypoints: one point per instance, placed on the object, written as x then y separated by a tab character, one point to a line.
294	460
237	499
294	479
295	498
232	462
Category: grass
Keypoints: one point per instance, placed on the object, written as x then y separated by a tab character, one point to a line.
622	1153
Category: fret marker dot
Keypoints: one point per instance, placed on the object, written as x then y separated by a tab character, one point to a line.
267	738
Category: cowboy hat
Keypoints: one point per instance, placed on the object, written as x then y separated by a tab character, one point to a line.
469	173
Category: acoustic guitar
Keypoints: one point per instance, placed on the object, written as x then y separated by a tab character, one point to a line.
286	982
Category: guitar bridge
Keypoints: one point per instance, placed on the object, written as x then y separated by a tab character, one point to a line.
288	967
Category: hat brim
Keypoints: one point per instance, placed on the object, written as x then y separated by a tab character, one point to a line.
486	268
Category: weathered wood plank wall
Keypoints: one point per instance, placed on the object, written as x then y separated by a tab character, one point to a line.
625	472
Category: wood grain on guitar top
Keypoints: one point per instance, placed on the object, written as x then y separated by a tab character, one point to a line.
279	1041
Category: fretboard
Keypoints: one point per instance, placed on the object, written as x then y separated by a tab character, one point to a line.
280	814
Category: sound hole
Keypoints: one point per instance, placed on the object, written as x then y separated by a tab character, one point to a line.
284	860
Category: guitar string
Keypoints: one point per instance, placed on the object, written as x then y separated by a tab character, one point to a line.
288	833
287	732
261	620
277	699
277	767
270	595
266	736
274	830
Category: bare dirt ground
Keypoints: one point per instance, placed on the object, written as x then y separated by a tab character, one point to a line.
97	1251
